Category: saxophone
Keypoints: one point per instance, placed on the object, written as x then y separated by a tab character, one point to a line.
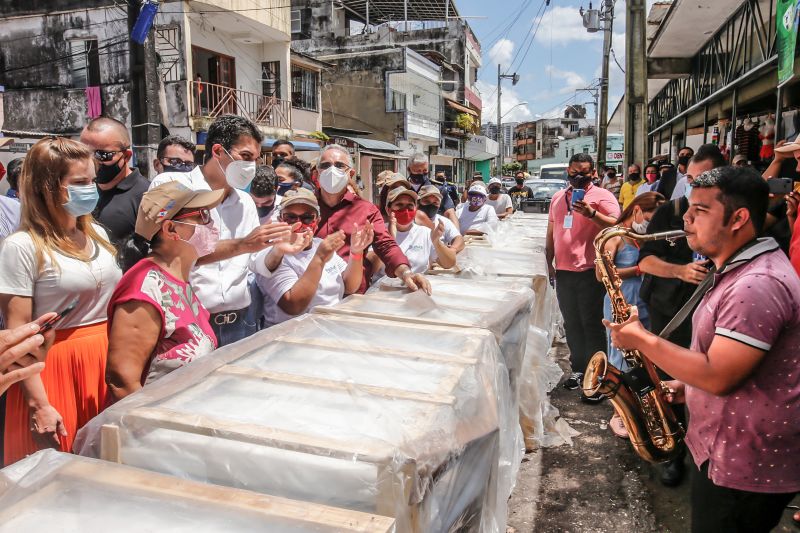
638	394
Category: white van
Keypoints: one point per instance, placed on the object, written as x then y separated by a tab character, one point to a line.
553	171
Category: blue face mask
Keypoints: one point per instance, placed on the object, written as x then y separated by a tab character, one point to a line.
82	199
283	188
688	192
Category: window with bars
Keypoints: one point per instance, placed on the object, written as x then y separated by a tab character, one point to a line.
397	101
271	78
84	63
305	87
296	21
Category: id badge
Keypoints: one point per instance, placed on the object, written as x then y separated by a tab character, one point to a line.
568	222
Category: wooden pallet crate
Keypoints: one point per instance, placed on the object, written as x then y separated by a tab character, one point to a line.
53	491
332	410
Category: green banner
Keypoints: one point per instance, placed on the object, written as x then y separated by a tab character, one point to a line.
787	17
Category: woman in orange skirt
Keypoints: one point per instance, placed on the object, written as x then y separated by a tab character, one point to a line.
58	258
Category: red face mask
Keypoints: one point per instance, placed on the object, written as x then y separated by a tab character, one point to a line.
405	216
310	227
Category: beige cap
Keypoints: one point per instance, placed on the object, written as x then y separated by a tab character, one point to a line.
738	158
788	147
397	180
165	201
429	190
300	196
394	194
495	181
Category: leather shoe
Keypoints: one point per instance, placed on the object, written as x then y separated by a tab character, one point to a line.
672	474
574	381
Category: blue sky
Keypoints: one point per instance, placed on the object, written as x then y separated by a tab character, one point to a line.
563	56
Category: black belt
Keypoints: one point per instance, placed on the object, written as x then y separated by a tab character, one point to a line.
226	318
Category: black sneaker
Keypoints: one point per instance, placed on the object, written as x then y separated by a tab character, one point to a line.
594	398
574	381
672	474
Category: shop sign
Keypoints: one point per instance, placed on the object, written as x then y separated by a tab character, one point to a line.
787	19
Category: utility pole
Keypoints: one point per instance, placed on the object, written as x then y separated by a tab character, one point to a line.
635	82
145	110
591	21
514	80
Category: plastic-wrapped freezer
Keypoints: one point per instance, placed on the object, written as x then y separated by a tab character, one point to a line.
52	491
396	419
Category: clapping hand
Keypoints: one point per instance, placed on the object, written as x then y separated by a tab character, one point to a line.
266	235
438	232
361	238
296	244
330	245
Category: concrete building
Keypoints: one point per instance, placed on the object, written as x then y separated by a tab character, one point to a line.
490	130
536	142
60	69
407	82
712	65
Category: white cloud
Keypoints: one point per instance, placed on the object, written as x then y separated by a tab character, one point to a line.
563	25
502	52
572	80
509	99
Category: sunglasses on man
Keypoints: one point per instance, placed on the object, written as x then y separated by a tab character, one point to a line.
178	164
107	155
291	218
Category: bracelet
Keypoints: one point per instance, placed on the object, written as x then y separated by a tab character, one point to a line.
638	271
357	257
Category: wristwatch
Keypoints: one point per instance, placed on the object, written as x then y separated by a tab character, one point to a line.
593	214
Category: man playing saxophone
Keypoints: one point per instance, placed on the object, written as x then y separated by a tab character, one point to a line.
741	377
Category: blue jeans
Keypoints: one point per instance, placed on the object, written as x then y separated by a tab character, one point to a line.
230	333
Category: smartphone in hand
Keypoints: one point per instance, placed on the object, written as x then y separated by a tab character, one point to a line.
780	186
53	322
578	195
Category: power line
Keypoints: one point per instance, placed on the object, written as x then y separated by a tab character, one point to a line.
62	58
538	22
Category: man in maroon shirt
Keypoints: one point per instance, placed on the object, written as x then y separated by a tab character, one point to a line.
342	210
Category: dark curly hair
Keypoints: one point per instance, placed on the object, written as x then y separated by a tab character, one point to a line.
264	182
227	130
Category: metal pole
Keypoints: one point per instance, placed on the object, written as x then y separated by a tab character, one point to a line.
779	114
446	11
635	82
669	150
685	131
405	15
705	125
499	124
602	130
734	111
367	14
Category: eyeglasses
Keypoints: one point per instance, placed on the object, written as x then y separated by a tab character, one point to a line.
178	164
338	164
291	218
107	155
204	214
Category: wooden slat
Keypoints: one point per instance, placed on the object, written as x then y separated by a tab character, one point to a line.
363	450
347	387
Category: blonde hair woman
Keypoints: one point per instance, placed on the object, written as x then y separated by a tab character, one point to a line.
59	257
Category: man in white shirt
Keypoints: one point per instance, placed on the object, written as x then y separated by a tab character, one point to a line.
429	201
220	279
500	201
9	216
684	155
475	217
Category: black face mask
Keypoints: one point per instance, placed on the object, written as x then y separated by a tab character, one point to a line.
429	210
520	181
277	160
264	210
416	179
106	173
494	190
579	181
634	176
684	160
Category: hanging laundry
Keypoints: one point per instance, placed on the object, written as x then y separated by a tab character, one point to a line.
94	103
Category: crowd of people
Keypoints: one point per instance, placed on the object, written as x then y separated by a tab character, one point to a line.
139	276
733	368
110	280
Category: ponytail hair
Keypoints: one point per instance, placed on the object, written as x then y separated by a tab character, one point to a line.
134	249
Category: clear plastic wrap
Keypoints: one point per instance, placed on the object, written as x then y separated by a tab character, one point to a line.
52	491
360	414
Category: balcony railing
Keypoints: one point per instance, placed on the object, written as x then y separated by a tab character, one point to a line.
210	101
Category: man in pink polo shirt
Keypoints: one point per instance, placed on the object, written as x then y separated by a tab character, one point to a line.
571	230
741	377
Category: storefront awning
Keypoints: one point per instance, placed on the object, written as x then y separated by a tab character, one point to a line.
459	107
373	144
299	146
383	155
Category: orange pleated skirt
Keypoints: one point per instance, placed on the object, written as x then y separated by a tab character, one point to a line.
74	379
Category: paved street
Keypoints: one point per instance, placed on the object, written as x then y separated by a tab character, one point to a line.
598	485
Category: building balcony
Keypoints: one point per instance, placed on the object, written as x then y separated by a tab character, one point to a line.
210	101
272	16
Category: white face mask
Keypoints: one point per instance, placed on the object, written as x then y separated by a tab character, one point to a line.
333	180
239	173
688	191
640	227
